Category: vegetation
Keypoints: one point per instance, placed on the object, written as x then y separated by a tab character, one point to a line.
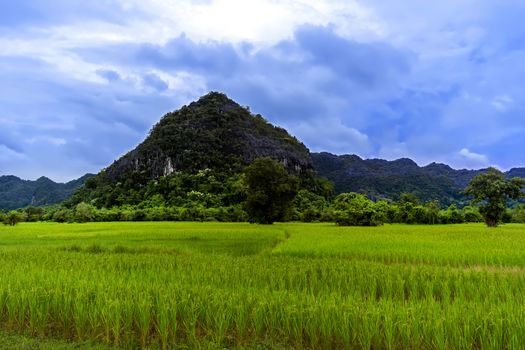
21	342
16	193
492	191
13	217
306	207
213	135
353	209
195	166
270	191
381	179
209	285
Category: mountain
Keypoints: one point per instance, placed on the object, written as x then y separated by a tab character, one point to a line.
17	193
388	179
213	133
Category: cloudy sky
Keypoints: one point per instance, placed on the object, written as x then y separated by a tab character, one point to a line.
82	82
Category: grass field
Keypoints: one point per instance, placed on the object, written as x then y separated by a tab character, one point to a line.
311	286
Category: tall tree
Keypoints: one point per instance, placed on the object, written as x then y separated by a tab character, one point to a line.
270	192
491	191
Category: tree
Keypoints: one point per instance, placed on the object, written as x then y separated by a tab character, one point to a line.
34	214
62	215
433	211
491	190
270	191
353	209
84	212
13	217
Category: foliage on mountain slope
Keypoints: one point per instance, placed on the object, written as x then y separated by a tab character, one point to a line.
18	193
201	148
378	178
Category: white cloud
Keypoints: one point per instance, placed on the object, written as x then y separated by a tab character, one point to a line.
472	159
502	102
331	134
257	21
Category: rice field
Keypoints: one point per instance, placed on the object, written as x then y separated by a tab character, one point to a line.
285	286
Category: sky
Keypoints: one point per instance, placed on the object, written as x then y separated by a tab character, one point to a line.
83	82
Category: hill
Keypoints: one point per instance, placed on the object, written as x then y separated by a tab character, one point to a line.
213	134
380	178
17	193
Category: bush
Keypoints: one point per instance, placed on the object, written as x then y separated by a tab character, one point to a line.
518	214
193	214
63	215
327	216
84	212
139	215
471	214
310	215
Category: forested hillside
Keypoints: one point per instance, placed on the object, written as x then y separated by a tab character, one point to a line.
196	154
18	193
378	178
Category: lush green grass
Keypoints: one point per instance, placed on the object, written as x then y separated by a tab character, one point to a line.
209	285
19	342
455	245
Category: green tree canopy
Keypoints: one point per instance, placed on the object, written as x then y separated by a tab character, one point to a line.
491	190
270	191
353	209
13	217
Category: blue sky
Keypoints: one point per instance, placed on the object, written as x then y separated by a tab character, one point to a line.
82	82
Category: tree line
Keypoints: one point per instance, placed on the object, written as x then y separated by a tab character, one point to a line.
266	193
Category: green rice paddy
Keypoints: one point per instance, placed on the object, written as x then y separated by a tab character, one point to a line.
285	286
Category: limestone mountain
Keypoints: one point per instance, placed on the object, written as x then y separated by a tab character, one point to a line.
214	134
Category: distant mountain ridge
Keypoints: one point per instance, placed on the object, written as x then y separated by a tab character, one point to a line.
380	178
17	193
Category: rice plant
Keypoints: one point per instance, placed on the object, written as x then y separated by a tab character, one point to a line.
305	286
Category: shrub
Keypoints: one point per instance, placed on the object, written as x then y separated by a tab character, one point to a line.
62	215
471	214
84	212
